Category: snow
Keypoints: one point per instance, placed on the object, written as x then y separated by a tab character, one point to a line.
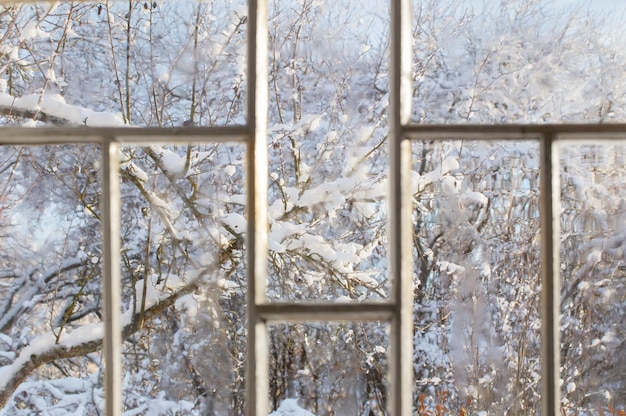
238	199
55	106
280	231
39	345
290	407
5	338
449	165
474	197
450	268
131	168
164	78
571	387
230	170
47	342
32	31
235	221
173	163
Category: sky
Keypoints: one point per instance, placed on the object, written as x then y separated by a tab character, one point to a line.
597	5
613	10
600	4
594	5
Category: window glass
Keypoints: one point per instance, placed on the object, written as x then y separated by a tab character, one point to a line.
593	219
327	142
183	278
329	368
517	61
50	276
476	264
139	63
183	274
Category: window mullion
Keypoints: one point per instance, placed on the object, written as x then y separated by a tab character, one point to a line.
400	203
257	384
550	283
112	342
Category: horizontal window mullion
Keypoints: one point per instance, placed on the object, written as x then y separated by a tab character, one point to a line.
78	135
513	132
326	312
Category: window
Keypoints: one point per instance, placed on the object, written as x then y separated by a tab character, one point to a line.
381	305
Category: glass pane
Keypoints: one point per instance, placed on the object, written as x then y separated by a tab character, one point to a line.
593	297
328	156
518	61
184	283
329	368
50	275
139	63
476	264
184	310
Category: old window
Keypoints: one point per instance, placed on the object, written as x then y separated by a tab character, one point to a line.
361	223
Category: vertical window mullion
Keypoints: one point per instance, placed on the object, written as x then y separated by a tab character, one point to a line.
401	339
550	283
112	342
257	384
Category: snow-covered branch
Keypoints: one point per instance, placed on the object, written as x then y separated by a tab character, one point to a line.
86	339
52	108
10	309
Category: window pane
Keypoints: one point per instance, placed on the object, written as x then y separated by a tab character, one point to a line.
150	63
50	275
183	279
184	286
593	227
476	265
517	61
329	368
327	138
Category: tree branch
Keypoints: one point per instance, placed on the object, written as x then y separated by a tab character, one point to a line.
52	108
24	113
43	350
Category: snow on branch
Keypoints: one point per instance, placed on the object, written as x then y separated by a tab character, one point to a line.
84	340
53	108
10	310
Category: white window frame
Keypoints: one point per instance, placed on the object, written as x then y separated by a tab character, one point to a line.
397	311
